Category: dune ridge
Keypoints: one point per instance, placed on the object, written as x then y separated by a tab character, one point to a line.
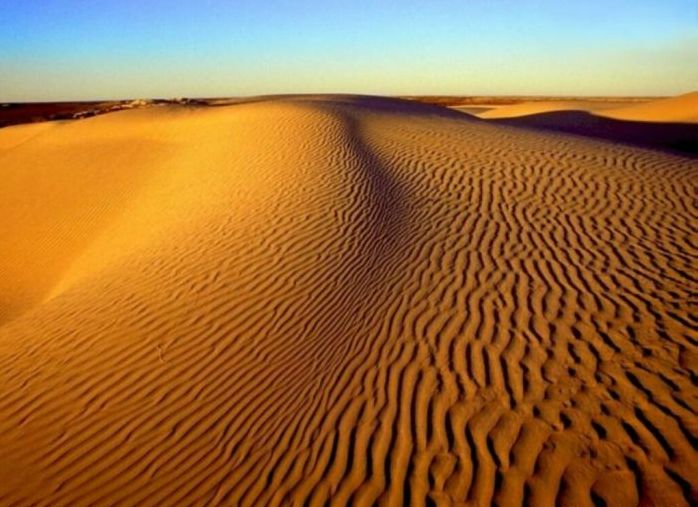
343	300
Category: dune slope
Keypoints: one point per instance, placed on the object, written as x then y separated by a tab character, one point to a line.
343	300
681	109
548	106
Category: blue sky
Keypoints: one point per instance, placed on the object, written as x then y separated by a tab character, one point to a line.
93	49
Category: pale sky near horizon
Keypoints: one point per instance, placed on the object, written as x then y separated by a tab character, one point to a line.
99	49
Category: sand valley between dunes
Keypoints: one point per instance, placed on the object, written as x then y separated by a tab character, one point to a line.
344	300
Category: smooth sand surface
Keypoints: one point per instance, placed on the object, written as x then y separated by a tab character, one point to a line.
538	107
668	124
681	109
343	300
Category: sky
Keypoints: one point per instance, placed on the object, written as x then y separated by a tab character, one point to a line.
113	49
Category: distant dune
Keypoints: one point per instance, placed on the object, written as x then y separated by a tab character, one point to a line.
344	300
681	109
669	124
538	107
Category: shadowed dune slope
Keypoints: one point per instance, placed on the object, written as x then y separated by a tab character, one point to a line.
343	300
669	124
675	137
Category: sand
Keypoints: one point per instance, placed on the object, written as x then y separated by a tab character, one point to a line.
343	300
669	124
681	109
539	107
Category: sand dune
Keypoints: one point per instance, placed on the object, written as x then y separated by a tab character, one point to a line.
668	124
680	138
343	300
538	107
681	109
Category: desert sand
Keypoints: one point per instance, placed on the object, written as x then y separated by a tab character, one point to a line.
344	300
547	106
667	123
681	109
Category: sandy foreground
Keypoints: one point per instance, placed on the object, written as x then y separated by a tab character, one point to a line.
343	300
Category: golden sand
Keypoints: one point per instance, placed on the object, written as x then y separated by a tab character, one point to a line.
343	300
681	109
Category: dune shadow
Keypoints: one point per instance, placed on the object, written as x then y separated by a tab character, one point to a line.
674	137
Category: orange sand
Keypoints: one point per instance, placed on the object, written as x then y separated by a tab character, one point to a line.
681	109
343	300
529	108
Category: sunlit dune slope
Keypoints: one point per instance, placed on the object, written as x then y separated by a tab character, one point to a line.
681	109
343	300
547	106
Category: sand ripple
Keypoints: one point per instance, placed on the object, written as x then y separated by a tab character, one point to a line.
346	301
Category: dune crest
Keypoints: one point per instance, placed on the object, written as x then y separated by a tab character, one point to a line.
343	300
